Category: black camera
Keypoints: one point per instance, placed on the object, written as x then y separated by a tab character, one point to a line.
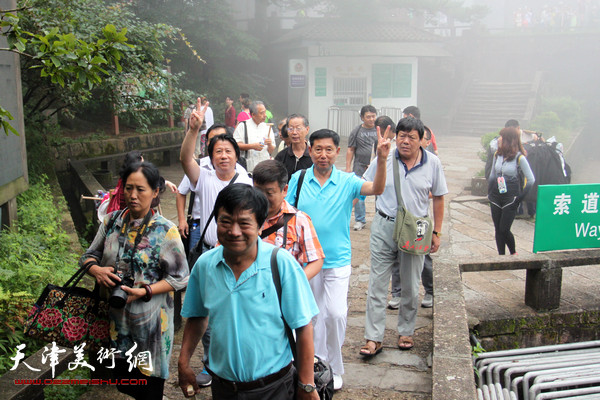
118	297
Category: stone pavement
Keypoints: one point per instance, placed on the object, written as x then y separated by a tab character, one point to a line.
467	233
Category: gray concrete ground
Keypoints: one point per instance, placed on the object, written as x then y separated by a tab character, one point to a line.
467	232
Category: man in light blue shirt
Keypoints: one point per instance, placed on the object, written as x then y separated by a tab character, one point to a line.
249	353
326	195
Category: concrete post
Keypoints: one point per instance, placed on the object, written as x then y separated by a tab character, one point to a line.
543	286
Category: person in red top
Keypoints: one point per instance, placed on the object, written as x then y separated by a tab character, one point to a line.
229	113
283	220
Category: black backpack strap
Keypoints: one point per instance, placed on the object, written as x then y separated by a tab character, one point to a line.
282	221
277	283
300	181
212	215
245	137
192	197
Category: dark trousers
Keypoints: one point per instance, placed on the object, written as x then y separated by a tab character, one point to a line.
503	219
153	390
282	389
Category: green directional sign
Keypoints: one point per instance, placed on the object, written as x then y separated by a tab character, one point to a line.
567	217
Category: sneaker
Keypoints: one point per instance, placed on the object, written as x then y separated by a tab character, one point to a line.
359	226
203	379
338	382
427	301
394	303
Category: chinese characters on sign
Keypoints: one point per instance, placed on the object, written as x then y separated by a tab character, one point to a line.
142	359
567	217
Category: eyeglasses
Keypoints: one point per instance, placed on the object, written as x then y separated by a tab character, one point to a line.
296	128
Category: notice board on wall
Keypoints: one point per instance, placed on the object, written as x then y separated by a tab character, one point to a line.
391	80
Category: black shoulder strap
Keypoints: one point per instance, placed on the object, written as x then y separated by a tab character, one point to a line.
300	180
277	283
212	215
282	221
112	220
245	137
192	198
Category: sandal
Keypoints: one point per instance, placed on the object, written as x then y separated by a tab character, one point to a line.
405	342
369	351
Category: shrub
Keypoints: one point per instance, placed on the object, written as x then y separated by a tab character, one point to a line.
36	252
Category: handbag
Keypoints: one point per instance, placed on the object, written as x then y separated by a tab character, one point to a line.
196	251
412	234
323	373
70	315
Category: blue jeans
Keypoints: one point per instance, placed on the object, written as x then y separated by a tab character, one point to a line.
360	212
195	233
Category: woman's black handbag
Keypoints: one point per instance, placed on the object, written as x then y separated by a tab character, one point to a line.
70	315
323	373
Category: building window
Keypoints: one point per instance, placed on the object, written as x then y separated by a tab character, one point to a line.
349	91
392	80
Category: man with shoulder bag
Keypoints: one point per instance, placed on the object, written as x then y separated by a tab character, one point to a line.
402	232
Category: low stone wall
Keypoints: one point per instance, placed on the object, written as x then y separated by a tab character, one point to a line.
541	330
113	145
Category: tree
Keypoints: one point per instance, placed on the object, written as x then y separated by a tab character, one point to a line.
125	71
61	58
231	56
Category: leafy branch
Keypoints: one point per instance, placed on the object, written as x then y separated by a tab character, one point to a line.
62	57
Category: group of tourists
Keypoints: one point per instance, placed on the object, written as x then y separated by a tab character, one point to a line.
250	200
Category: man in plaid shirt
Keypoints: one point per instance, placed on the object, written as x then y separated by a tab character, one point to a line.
285	221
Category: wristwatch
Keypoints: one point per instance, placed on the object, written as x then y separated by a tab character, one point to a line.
438	234
308	388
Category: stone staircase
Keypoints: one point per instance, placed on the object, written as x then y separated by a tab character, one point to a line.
486	106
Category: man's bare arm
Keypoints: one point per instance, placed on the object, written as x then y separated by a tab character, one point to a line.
186	156
383	150
192	333
305	352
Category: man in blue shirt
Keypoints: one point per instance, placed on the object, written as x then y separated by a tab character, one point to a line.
326	195
249	355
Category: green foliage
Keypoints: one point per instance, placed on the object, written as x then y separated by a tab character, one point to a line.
485	143
60	58
13	311
78	55
5	116
231	56
38	250
69	392
558	116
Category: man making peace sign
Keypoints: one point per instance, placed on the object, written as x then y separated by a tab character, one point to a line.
326	195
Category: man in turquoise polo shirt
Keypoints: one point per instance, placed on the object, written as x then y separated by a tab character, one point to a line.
326	195
249	353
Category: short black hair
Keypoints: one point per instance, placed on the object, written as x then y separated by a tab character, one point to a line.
412	110
366	109
239	197
383	122
224	137
244	95
132	157
270	171
151	173
283	132
428	132
215	126
512	123
304	119
325	134
409	124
